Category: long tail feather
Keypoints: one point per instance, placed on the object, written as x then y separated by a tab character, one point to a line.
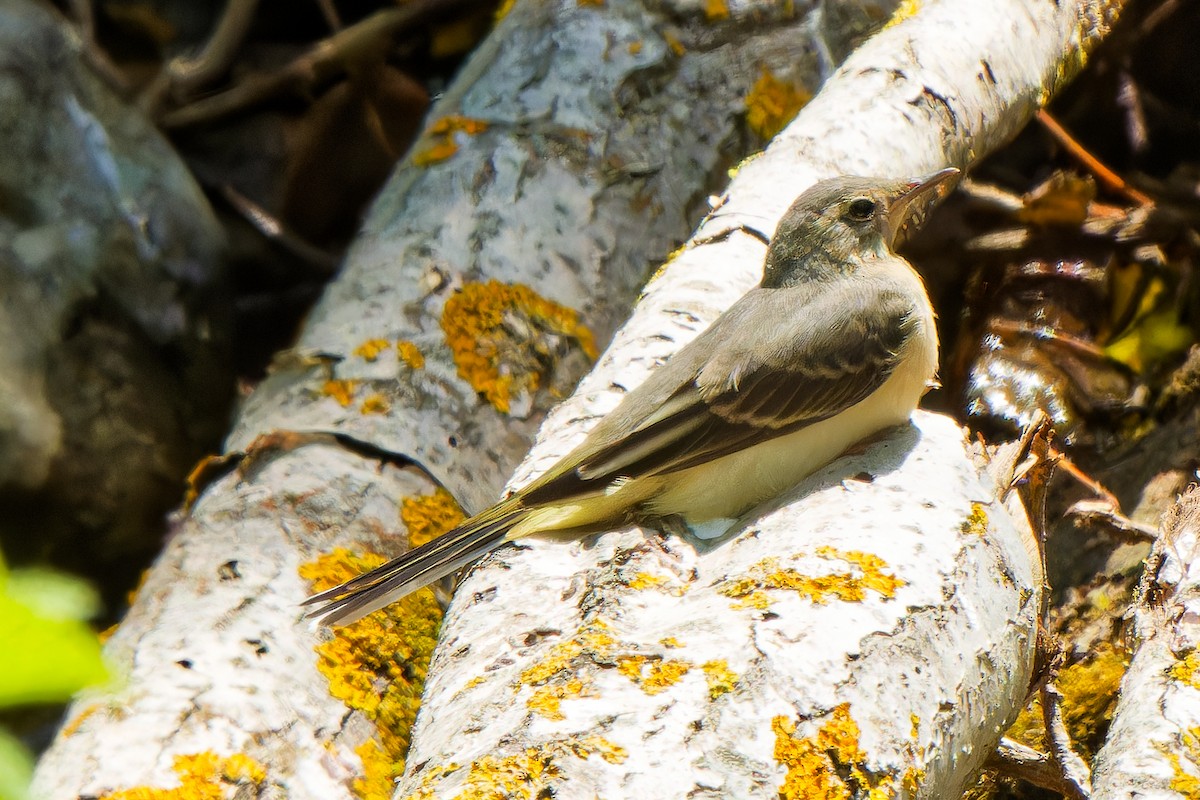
419	567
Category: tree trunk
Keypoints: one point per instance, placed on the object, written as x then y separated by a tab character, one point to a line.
569	156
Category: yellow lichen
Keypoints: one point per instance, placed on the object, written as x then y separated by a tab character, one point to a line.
635	47
547	700
654	675
852	586
202	776
593	638
527	775
976	523
379	772
772	103
1089	688
375	404
715	10
428	516
670	641
721	679
377	665
410	354
828	766
371	349
631	667
662	675
497	362
340	390
597	745
1182	781
647	580
503	9
904	10
1186	670
443	135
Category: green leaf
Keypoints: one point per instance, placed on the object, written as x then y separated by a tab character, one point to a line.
50	653
16	768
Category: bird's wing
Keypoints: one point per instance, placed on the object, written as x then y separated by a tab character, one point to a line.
761	372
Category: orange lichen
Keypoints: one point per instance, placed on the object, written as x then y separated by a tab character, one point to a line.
497	362
202	776
772	103
340	390
715	10
410	354
443	136
828	766
428	516
371	349
72	727
375	404
721	679
851	586
635	47
377	665
673	42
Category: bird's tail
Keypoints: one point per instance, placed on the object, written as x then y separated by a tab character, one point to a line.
451	551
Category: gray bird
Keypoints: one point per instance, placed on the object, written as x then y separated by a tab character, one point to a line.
835	344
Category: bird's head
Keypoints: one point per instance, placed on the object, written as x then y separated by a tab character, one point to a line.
839	223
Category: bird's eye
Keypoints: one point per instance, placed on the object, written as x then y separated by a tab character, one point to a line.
861	209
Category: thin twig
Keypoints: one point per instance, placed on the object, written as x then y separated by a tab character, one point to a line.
1075	772
1105	175
324	61
330	12
1101	513
276	231
1015	760
183	77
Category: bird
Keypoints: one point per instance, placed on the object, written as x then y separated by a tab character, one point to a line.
836	343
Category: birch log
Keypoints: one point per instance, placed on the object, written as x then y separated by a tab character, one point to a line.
568	157
1153	747
875	637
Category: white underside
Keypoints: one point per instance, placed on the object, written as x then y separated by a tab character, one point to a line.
724	489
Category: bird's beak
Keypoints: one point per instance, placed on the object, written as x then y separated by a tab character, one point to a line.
914	201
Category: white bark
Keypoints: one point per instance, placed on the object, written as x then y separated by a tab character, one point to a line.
932	668
933	675
602	141
1153	746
